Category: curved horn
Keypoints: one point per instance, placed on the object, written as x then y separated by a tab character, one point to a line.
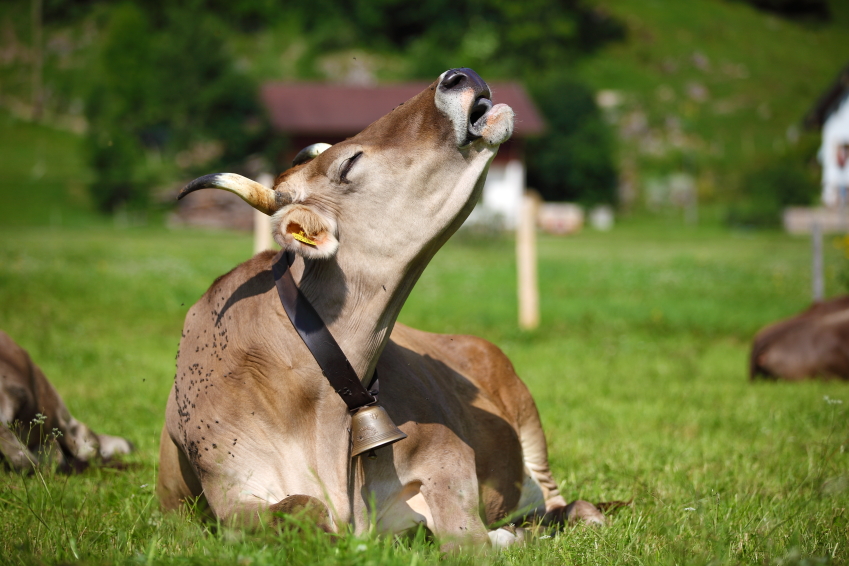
258	196
310	152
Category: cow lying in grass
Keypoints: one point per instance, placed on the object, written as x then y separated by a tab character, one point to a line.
814	343
252	424
35	424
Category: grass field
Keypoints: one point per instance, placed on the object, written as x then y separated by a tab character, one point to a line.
639	371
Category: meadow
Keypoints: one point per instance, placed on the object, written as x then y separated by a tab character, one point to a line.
639	370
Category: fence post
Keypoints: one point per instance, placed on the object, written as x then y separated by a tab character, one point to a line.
262	222
817	282
526	263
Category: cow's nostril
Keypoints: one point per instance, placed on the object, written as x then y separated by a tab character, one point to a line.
452	80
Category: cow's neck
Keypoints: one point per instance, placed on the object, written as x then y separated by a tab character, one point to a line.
359	302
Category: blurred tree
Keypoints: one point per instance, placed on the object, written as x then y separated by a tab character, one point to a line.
513	37
166	95
574	160
811	9
787	179
522	40
166	83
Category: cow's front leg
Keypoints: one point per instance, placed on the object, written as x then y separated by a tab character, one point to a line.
303	507
453	506
249	512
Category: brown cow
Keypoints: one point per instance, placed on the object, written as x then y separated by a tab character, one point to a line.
814	343
36	425
253	426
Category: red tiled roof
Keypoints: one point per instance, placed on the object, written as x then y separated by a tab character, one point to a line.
344	110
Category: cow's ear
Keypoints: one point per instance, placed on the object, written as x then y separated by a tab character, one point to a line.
306	230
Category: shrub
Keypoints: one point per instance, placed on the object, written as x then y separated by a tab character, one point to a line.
812	9
165	85
574	160
768	189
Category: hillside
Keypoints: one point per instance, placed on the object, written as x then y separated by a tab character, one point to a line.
709	88
44	176
712	88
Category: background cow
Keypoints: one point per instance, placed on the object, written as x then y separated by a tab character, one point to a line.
814	343
253	426
36	425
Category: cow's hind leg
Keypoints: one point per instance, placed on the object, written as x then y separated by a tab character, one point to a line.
13	450
535	455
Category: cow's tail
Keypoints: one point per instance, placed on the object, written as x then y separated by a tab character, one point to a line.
535	456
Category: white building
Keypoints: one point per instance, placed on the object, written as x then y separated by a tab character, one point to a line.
831	113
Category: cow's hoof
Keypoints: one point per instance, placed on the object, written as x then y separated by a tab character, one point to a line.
303	507
583	512
113	445
506	536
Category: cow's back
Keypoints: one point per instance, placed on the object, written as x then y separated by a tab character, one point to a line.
809	344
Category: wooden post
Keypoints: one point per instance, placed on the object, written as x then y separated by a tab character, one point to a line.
526	263
817	282
262	222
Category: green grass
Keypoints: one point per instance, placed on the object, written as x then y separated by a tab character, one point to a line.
639	371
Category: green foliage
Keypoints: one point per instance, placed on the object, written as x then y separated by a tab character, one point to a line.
495	36
163	88
813	9
772	188
786	180
574	160
711	88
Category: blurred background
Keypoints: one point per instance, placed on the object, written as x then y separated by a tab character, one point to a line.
694	110
673	146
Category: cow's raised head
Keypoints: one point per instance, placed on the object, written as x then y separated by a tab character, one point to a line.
399	188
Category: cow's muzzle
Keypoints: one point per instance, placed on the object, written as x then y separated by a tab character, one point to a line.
479	117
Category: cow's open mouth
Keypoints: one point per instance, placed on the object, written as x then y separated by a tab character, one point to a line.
477	118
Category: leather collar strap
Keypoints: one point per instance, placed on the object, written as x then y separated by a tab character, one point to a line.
312	330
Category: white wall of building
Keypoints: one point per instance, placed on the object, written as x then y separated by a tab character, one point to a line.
835	132
502	195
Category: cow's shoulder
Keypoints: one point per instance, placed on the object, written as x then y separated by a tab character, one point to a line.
253	274
236	295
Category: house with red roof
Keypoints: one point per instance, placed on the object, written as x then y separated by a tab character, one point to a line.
308	113
323	112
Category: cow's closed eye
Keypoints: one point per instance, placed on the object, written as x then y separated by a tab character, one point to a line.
346	167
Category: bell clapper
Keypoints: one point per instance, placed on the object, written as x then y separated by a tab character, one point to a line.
371	455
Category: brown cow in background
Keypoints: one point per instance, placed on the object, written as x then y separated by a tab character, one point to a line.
814	343
36	425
